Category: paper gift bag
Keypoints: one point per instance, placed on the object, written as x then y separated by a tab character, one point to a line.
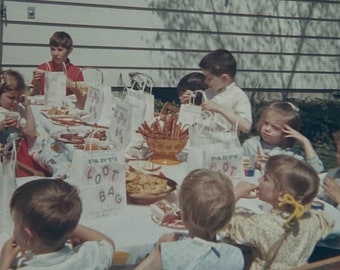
221	151
141	101
189	112
120	126
208	130
137	103
222	157
225	158
99	104
7	187
100	178
82	87
55	87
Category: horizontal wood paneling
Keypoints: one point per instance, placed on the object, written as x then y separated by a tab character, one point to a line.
278	44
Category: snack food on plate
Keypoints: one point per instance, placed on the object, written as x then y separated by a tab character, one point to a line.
62	110
139	182
74	137
166	214
164	128
162	208
90	147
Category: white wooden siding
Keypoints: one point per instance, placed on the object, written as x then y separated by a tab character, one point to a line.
278	44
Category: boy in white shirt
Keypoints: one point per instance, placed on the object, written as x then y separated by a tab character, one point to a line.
224	96
45	213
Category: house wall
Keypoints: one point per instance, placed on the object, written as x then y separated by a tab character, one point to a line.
280	45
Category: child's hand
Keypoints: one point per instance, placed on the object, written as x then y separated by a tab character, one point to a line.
261	159
292	133
245	190
10	120
8	253
212	106
333	189
37	74
185	97
3	151
169	237
24	101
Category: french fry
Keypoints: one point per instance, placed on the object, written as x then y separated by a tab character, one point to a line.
168	130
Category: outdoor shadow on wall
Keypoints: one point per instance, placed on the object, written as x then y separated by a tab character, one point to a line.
270	40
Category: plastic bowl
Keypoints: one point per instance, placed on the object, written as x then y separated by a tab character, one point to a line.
165	150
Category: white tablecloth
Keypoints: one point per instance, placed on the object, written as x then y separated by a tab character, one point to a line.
132	230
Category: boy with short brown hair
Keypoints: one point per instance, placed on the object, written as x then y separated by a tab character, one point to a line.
61	45
46	213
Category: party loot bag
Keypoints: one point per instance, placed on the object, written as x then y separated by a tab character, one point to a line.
55	87
215	147
141	101
100	177
120	126
7	187
98	103
190	111
82	87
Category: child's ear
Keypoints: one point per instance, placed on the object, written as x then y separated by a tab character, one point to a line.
70	50
280	197
29	232
226	77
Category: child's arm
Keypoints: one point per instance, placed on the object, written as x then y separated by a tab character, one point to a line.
307	146
245	190
8	253
37	74
185	97
261	159
332	189
84	234
154	259
243	124
30	130
311	156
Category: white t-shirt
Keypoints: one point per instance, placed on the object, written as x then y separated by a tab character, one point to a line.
234	98
89	255
198	254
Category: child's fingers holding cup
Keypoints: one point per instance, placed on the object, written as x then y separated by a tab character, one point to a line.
37	74
11	119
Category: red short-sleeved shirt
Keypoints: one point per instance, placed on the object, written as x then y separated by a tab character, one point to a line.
73	72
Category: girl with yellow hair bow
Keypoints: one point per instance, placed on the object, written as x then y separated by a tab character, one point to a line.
285	236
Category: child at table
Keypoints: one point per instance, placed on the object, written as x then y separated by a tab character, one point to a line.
284	237
206	201
191	82
278	129
224	96
13	100
61	45
45	214
331	182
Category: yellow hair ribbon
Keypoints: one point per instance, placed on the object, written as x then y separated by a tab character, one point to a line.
299	209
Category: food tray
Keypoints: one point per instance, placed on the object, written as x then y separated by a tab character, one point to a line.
149	198
70	115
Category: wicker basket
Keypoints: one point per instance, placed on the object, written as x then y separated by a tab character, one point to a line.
165	150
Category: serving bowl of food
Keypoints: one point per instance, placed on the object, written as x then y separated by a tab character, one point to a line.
165	150
144	188
165	138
